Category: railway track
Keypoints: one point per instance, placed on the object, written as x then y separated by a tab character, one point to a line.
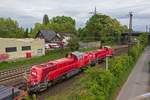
10	71
13	74
18	73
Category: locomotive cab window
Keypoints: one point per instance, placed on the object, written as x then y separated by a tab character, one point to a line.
26	48
11	49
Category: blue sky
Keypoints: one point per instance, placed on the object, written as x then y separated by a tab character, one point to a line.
27	12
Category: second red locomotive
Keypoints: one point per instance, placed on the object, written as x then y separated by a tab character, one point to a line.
44	75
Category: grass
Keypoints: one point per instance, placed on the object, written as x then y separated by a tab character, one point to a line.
50	55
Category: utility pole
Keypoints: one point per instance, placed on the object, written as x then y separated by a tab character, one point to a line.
95	12
106	62
130	30
130	21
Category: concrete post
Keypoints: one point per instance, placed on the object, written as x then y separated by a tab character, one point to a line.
107	63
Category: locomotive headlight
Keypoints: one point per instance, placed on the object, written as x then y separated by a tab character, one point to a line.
34	73
34	83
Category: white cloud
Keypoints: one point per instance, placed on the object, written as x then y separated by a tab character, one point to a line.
27	12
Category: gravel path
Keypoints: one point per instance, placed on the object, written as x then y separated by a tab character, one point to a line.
138	81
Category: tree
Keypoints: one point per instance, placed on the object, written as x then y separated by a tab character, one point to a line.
45	19
101	27
73	43
58	24
26	33
37	27
10	28
63	24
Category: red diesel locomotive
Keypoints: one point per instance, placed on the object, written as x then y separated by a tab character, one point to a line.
44	75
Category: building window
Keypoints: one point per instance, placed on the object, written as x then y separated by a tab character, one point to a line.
26	48
11	49
39	51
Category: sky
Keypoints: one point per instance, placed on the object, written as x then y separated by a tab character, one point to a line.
28	12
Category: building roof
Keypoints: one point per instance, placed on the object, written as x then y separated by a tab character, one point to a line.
26	40
48	35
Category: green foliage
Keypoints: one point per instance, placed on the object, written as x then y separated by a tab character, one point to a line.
119	65
10	29
143	39
63	24
102	27
26	33
94	86
73	43
58	24
136	50
37	27
45	19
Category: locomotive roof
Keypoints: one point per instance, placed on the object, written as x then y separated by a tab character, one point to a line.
60	60
78	54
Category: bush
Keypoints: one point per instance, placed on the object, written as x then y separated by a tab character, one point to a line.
73	44
97	87
119	65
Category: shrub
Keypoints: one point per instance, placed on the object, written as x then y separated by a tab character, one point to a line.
73	43
97	87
